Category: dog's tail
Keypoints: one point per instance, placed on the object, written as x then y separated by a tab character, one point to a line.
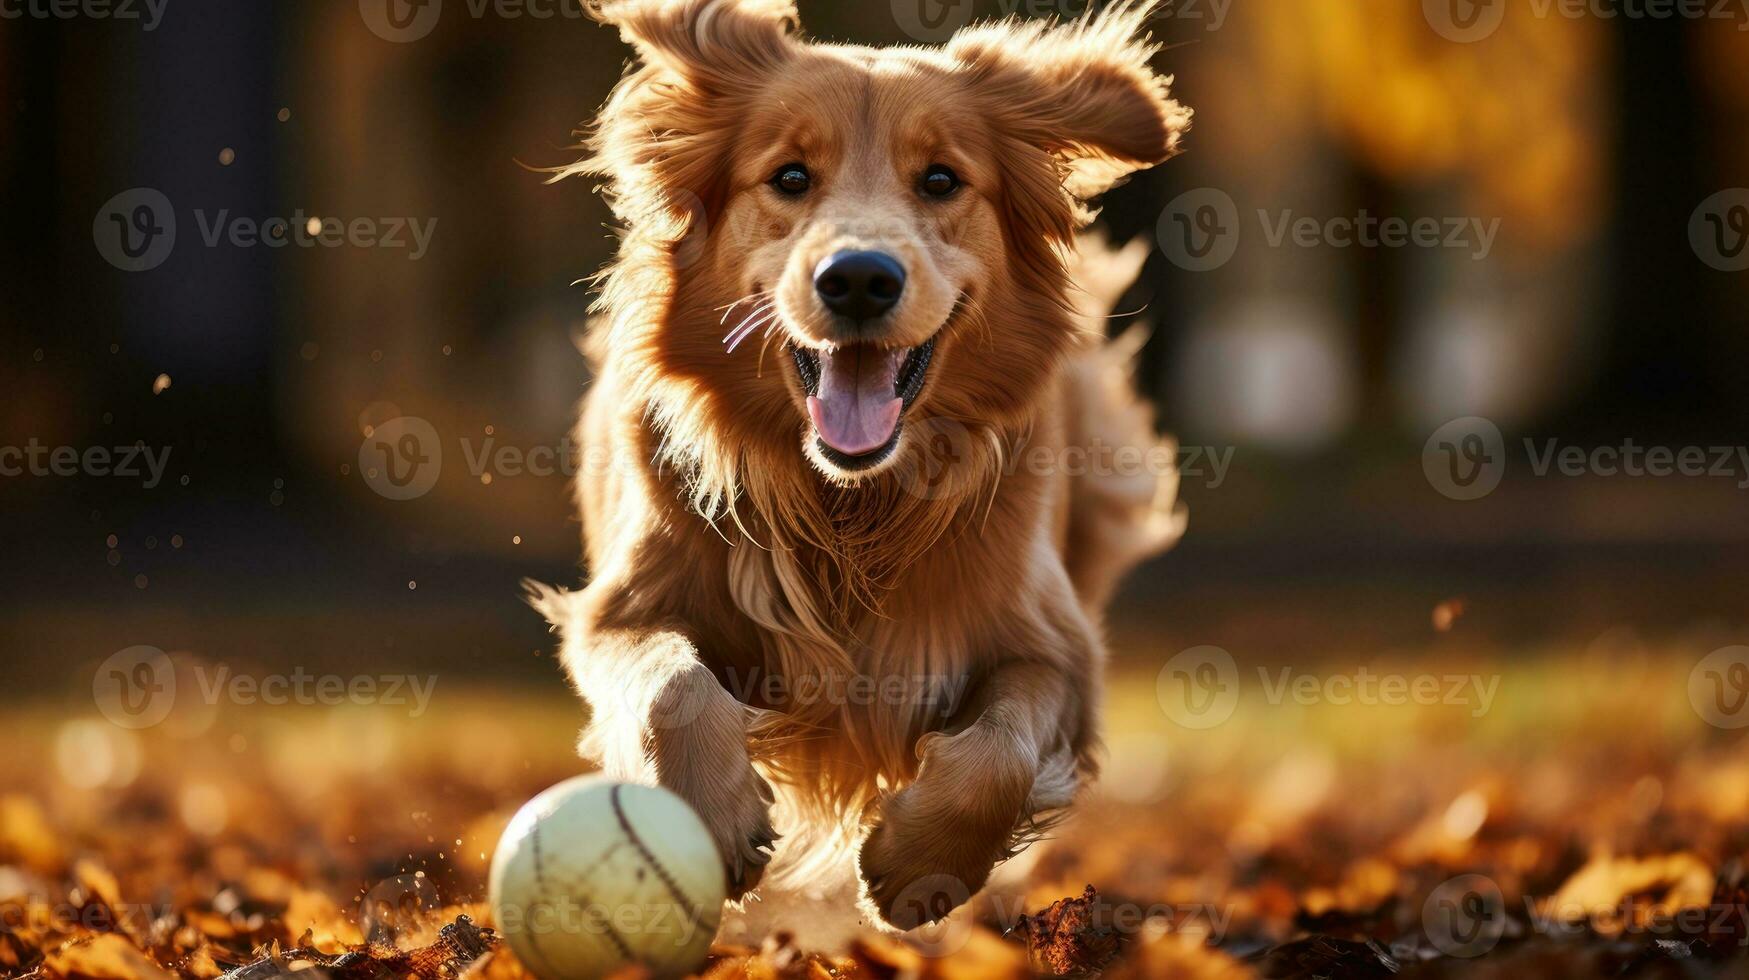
1123	506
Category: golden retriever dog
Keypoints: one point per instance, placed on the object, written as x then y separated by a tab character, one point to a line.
842	582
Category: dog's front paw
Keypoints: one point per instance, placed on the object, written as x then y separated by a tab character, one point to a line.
699	748
745	836
932	845
737	810
917	870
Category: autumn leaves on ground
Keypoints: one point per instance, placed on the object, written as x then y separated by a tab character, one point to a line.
1543	814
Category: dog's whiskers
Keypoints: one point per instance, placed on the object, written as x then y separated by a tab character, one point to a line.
762	295
762	316
765	345
759	308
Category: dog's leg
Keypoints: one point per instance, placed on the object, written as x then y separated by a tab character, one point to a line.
659	715
1015	756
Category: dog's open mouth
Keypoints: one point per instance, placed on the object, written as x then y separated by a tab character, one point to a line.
857	397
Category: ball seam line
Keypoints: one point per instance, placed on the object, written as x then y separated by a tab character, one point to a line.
674	889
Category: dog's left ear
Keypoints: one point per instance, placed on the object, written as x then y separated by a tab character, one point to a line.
1083	92
663	136
714	45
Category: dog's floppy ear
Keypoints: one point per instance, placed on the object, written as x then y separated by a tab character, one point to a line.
1083	92
714	45
663	137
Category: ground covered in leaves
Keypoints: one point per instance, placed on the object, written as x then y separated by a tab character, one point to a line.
1583	820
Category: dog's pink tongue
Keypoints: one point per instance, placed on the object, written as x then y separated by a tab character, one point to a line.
856	409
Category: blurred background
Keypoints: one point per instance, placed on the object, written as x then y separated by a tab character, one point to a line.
249	240
1598	154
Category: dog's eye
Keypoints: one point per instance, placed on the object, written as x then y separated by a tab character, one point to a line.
940	181
792	178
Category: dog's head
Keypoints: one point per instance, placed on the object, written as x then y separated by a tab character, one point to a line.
893	220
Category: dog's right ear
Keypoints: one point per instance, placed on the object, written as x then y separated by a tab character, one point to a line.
713	45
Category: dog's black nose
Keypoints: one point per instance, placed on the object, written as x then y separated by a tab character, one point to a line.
859	285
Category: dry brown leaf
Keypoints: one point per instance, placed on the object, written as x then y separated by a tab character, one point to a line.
985	956
1612	892
315	913
1070	938
1177	956
26	837
97	882
104	957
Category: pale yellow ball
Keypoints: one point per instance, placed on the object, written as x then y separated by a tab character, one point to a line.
593	875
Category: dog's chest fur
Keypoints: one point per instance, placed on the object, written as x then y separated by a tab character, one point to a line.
846	689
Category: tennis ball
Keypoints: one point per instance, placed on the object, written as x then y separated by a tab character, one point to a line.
592	875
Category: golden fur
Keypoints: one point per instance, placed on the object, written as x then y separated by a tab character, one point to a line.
746	595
